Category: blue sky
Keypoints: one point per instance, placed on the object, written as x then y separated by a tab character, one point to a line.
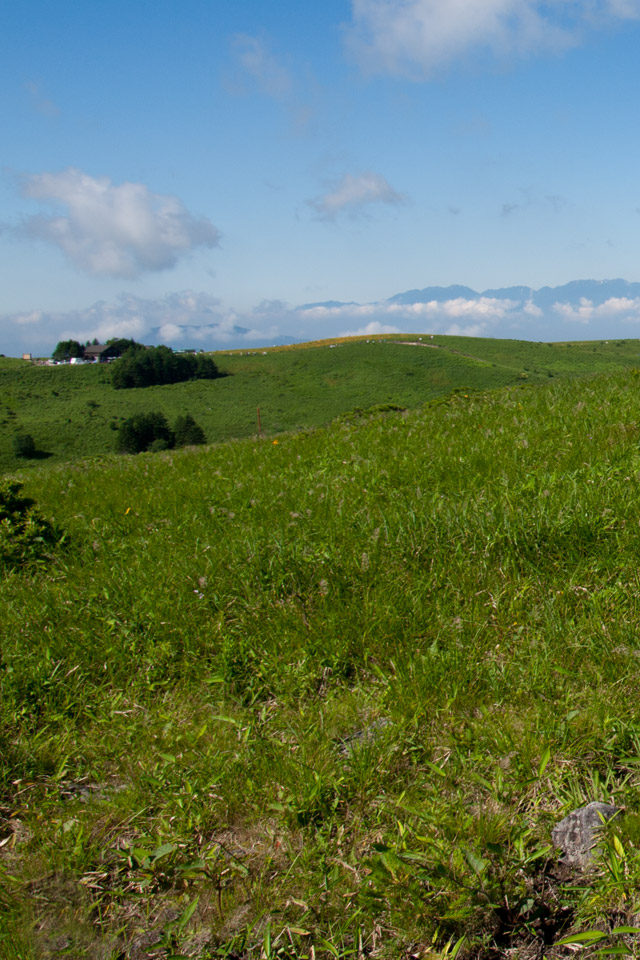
216	164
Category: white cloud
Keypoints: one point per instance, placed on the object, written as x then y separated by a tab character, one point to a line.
416	37
370	330
28	319
256	59
114	230
483	308
618	308
531	309
352	194
196	317
474	330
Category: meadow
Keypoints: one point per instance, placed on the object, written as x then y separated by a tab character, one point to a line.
73	411
326	694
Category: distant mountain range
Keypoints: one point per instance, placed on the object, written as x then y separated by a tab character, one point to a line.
597	291
579	310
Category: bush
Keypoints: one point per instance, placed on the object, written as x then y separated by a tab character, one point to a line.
158	365
141	431
159	445
25	536
187	432
24	445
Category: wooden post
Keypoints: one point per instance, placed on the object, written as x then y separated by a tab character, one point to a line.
259	424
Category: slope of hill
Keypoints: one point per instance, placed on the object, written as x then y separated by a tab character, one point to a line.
73	411
327	696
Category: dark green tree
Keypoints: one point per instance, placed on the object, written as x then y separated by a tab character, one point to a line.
67	349
158	365
122	344
187	432
141	431
24	445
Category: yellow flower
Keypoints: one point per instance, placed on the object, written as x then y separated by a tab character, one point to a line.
127	511
275	442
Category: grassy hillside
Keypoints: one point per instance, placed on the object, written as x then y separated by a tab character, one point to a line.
72	411
327	696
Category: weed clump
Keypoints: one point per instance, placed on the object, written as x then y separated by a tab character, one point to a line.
25	535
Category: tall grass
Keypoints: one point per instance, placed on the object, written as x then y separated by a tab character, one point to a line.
327	696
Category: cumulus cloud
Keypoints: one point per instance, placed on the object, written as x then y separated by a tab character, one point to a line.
370	329
352	194
482	308
416	37
117	230
615	308
196	317
265	69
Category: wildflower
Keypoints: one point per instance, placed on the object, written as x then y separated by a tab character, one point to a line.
127	511
275	443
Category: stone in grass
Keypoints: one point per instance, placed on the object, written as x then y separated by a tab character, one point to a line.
348	745
577	834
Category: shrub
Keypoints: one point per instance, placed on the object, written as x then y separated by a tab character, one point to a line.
24	445
25	535
159	445
187	432
141	431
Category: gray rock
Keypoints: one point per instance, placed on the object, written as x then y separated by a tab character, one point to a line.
577	834
348	745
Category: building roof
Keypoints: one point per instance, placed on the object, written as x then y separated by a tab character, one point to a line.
96	349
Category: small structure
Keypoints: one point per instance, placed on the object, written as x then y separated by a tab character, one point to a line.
27	356
100	353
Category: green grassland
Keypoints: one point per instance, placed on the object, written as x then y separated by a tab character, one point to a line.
73	411
326	695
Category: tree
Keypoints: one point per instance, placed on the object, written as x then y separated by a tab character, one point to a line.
141	431
122	344
187	432
157	365
24	445
67	349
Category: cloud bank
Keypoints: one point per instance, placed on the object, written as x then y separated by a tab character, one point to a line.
417	37
116	230
196	319
353	194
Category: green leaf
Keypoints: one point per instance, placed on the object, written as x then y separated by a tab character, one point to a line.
613	951
476	863
589	936
162	851
330	947
619	930
544	760
187	914
435	768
